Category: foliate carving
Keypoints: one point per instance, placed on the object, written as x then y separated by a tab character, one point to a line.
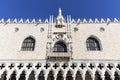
59	36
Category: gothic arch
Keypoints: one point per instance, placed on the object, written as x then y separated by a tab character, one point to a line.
117	76
32	76
72	71
41	75
88	76
3	76
89	71
99	70
22	76
43	71
107	76
69	75
78	76
97	76
13	76
28	44
50	75
81	72
95	42
117	71
60	75
60	70
93	36
27	37
60	46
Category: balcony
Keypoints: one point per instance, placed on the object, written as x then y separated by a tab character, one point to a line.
59	56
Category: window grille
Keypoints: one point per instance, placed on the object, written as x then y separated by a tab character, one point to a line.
92	44
28	44
60	47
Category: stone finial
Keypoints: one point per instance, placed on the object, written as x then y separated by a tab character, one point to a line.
60	12
60	21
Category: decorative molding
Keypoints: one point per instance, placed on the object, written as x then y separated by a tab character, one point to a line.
46	21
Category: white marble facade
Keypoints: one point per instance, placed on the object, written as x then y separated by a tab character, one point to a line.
60	48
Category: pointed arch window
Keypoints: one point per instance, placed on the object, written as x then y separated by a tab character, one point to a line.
60	47
28	44
92	44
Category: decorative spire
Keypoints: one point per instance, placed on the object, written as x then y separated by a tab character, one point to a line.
60	12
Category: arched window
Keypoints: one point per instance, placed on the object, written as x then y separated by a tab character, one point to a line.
28	44
92	44
60	47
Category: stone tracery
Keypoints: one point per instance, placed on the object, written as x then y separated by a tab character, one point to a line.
63	70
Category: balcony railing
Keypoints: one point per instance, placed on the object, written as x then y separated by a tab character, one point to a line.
59	54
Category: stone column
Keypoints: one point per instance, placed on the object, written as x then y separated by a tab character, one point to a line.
103	77
93	77
64	77
8	77
17	77
83	77
27	77
73	78
46	77
36	77
55	77
112	77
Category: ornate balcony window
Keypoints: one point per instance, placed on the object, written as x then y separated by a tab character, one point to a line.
60	47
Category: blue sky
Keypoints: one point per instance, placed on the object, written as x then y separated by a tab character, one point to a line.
43	8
